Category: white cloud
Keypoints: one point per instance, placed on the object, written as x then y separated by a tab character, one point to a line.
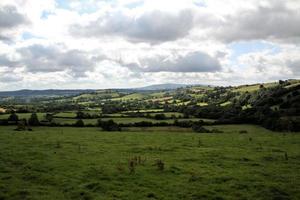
129	43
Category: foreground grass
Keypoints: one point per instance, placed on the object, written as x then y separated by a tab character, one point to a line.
85	163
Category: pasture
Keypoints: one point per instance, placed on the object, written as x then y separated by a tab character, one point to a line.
244	162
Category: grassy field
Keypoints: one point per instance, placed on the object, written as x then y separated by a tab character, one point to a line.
66	114
252	88
85	163
134	96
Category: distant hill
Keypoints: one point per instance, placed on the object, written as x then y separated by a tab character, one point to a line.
53	92
166	86
50	92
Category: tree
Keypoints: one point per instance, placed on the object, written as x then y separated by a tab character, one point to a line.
109	125
160	116
33	120
79	123
199	129
281	82
13	117
49	117
79	115
21	126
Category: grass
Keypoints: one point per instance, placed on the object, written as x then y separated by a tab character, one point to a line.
145	111
65	114
168	114
202	104
72	121
85	163
225	103
252	88
157	94
134	96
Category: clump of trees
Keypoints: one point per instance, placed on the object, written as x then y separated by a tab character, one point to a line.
13	117
33	120
79	123
108	125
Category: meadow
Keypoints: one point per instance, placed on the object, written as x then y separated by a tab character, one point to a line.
244	162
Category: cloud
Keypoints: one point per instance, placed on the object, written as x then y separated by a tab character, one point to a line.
10	77
273	21
5	61
39	58
10	19
268	20
270	66
62	43
294	65
153	26
192	62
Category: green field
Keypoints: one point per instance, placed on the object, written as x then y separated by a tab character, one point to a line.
66	114
86	163
134	96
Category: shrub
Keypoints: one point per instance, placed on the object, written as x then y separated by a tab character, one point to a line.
199	129
109	125
13	117
160	116
79	123
33	120
160	165
143	124
21	126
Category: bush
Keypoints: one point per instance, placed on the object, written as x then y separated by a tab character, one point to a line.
109	125
21	126
199	129
79	123
33	120
143	124
13	117
160	116
160	165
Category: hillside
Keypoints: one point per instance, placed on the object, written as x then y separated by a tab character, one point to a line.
274	105
167	86
50	92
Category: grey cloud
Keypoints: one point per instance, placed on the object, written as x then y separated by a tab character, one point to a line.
10	77
192	62
276	21
10	17
154	27
6	62
294	66
38	58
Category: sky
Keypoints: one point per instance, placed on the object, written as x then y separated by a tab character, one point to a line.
132	43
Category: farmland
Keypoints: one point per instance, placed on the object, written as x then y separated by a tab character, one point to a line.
196	142
86	163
